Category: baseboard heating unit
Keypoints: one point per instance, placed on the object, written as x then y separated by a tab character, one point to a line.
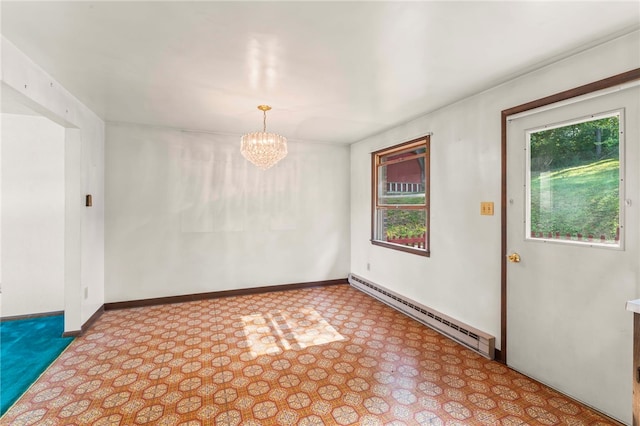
474	339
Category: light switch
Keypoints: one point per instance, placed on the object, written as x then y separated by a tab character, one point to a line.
486	208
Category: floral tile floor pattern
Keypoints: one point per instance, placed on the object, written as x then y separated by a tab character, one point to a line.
319	356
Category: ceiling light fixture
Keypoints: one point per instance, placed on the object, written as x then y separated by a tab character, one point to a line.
261	148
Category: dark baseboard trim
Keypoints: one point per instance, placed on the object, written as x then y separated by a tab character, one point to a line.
497	356
77	333
74	333
218	294
97	314
28	316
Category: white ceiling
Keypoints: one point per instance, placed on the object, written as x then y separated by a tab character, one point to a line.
333	71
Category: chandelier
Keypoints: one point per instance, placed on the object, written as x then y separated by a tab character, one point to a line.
261	148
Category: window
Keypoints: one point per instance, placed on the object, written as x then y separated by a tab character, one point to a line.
401	197
574	181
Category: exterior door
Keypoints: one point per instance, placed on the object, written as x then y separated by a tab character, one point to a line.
572	238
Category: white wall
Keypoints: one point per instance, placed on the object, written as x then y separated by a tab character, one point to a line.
186	213
32	215
462	276
84	174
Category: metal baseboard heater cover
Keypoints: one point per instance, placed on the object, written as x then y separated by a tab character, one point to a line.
474	339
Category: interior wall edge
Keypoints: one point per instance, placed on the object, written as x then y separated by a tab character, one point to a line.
87	325
85	130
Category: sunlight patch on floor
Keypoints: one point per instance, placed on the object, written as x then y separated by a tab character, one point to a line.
278	331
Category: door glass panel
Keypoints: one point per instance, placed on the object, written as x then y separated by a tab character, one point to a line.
574	181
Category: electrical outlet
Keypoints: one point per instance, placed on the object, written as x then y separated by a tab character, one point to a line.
86	293
486	208
368	266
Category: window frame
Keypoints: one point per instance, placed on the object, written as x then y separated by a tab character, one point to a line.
376	164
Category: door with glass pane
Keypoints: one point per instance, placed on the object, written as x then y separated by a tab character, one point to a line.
572	242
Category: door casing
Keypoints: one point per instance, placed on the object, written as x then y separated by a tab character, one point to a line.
606	83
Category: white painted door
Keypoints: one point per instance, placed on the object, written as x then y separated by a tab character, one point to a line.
566	322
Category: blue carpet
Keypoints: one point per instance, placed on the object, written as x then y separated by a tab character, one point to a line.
27	348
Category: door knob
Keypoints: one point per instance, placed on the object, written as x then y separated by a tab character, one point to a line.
513	257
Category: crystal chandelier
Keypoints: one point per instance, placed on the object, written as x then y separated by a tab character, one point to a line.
261	148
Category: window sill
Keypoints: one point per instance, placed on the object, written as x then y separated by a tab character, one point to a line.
406	249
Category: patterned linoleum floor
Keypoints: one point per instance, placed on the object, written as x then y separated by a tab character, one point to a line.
322	356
